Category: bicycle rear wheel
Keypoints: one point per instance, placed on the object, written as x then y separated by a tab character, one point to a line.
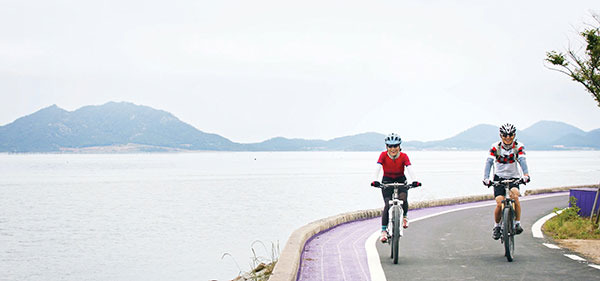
508	236
396	234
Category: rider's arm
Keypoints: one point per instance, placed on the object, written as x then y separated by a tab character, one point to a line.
488	167
523	163
522	159
411	173
377	172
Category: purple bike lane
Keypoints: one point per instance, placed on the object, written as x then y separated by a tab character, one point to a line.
342	252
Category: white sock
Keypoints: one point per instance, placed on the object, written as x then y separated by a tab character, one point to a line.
517	222
496	224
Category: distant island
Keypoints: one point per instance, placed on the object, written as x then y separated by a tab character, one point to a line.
126	127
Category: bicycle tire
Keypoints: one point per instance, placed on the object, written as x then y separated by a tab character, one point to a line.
391	228
508	234
396	234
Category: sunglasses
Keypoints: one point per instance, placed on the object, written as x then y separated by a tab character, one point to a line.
393	145
508	135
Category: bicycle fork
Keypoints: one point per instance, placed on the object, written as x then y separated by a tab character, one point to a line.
395	204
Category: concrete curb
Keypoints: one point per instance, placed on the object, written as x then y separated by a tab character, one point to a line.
289	260
555	189
288	263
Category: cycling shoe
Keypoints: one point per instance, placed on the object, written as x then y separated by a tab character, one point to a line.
384	237
518	228
496	234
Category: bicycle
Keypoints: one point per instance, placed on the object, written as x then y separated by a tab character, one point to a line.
507	221
396	213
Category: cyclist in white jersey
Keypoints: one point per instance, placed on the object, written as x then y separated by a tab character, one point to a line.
505	155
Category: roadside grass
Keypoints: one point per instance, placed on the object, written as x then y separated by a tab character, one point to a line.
569	225
261	267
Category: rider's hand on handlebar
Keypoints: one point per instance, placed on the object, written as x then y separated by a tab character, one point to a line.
376	184
525	179
487	182
415	184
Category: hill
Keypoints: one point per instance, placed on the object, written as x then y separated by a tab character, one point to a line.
126	127
112	124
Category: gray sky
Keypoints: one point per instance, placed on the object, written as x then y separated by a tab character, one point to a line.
252	70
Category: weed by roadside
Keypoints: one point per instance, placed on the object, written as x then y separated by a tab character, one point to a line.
569	225
261	267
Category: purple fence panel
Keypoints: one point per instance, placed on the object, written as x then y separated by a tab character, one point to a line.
585	200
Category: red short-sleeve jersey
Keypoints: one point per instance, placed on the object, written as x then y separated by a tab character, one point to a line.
393	168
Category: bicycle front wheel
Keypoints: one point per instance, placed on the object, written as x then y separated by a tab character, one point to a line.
396	234
508	234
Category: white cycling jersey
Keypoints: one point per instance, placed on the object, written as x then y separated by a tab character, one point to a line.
505	160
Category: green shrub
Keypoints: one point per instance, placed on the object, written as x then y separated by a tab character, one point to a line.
569	225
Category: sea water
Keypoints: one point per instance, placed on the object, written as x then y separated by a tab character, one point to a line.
208	215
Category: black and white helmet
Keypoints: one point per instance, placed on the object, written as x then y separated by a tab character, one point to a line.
507	129
393	139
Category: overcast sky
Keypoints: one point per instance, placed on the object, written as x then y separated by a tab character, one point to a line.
252	70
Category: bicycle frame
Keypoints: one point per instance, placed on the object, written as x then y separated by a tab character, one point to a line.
396	205
396	214
507	220
396	202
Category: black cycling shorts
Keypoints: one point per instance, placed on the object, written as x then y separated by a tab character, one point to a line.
499	190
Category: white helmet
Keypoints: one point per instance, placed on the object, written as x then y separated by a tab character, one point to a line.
507	129
393	139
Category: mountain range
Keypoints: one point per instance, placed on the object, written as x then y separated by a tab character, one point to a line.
126	127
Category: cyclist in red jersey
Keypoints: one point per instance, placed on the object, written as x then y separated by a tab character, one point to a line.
394	163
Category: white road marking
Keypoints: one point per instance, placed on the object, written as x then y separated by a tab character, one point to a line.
536	228
574	257
375	268
543	196
356	250
323	243
377	273
551	246
481	205
342	241
594	266
453	210
339	254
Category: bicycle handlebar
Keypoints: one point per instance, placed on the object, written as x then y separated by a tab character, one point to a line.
504	182
395	184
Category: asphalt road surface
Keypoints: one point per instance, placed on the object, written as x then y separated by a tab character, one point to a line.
459	246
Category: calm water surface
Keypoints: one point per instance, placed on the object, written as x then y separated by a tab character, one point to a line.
173	216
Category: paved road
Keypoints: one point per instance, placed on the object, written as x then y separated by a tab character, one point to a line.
451	246
458	246
341	252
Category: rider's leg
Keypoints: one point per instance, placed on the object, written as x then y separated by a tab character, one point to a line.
404	197
498	210
499	194
385	217
514	194
497	214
